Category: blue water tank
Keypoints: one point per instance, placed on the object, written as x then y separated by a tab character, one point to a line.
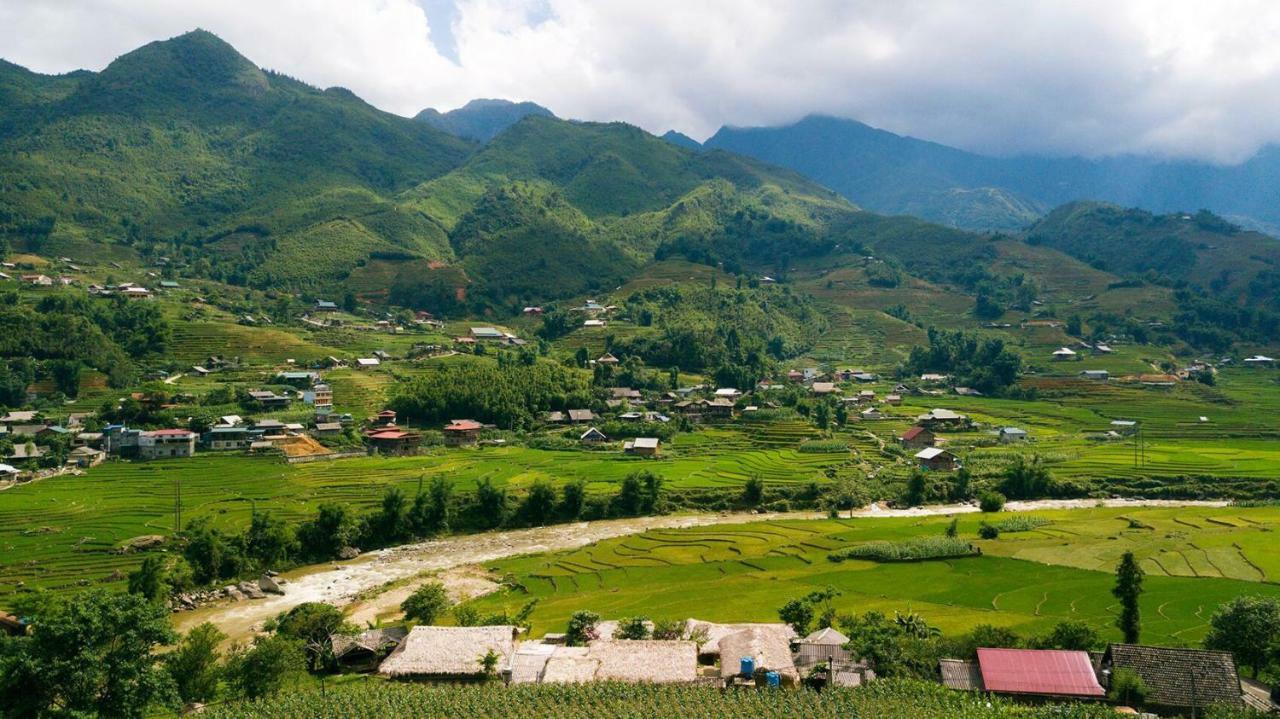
773	679
747	666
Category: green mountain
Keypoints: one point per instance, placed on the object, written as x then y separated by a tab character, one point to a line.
890	173
481	120
680	139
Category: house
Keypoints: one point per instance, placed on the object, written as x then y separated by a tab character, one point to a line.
821	647
870	414
449	653
577	416
642	446
646	661
917	437
367	362
893	399
865	377
744	651
320	397
134	292
1096	374
362	652
1259	361
38	280
268	399
1177	680
728	393
937	459
1012	434
327	429
487	333
8	471
823	388
593	436
718	407
555	417
22	451
167	443
932	378
942	418
392	440
1103	348
299	379
710	634
87	439
625	393
230	437
1124	426
461	432
169	284
25	417
607	359
593	323
1032	673
1063	353
85	457
326	306
532	311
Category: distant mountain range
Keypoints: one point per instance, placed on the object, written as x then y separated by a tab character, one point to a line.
482	120
893	174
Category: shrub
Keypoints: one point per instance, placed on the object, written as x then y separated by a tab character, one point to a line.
991	502
988	531
1021	523
426	603
632	628
910	550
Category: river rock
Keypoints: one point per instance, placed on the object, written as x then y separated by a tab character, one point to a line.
250	590
269	585
233	593
348	553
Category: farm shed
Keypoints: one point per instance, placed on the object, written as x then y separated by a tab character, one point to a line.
822	646
430	652
937	459
363	651
917	437
1178	679
1012	434
642	446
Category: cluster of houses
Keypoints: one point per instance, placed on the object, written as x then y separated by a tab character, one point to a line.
1177	680
707	653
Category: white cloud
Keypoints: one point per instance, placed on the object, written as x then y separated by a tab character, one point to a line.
1091	76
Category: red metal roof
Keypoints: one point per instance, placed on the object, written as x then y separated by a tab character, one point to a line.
391	434
462	425
911	433
1039	671
170	433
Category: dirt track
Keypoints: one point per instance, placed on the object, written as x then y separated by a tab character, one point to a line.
342	583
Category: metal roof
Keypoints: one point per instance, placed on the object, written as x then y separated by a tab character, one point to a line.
1039	671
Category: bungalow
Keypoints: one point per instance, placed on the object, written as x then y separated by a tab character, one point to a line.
487	333
728	393
392	440
718	407
1012	434
917	437
449	653
327	429
577	416
1031	673
299	379
932	378
865	377
893	399
268	399
22	451
593	323
645	661
24	417
326	306
1124	426
1096	374
967	392
135	292
38	280
230	438
607	359
461	432
168	284
1259	361
555	417
269	426
1177	680
821	647
532	311
642	446
937	459
1063	353
823	388
167	443
1103	348
8	471
870	414
362	652
942	417
367	362
624	393
87	439
593	436
85	457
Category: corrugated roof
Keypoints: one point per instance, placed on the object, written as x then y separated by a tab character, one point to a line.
1051	672
959	674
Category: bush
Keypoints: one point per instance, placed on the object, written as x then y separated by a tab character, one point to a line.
1127	688
991	502
1021	523
988	531
632	628
823	446
582	628
910	550
426	603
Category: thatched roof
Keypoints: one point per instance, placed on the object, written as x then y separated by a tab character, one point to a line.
449	651
651	660
770	646
529	661
826	636
654	661
715	632
373	640
570	665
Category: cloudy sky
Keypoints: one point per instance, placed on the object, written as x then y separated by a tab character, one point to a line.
1175	77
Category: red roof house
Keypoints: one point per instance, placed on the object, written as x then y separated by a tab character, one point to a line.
462	431
1042	672
917	437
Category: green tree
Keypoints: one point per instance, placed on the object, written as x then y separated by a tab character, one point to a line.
753	491
491	505
264	669
573	499
1026	478
489	665
1072	635
323	537
1249	628
148	579
426	603
953	527
1127	688
269	541
822	415
539	505
1128	589
991	502
799	614
311	624
917	485
582	628
632	628
431	514
193	664
91	655
391	523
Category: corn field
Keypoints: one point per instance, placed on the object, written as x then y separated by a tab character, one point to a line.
881	700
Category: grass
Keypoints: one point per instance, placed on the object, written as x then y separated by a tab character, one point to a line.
1027	581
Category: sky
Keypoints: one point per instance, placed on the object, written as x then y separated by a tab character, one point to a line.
1177	78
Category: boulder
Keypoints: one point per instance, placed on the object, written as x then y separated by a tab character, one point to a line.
250	590
269	585
348	553
233	593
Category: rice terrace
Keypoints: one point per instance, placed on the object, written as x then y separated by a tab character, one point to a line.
320	401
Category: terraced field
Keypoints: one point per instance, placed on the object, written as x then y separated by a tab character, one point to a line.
1194	559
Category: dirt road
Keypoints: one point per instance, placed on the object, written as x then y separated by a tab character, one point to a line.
343	583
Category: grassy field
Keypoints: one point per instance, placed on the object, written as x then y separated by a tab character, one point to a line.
1195	559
